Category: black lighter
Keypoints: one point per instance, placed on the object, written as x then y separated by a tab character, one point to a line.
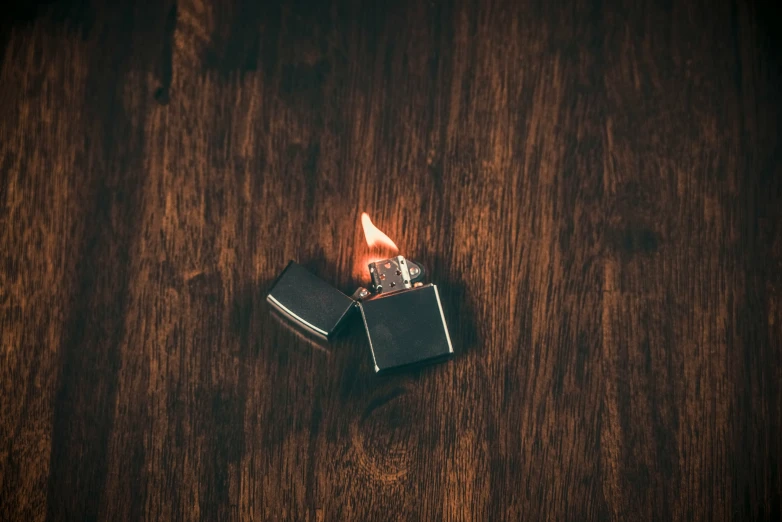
403	317
404	320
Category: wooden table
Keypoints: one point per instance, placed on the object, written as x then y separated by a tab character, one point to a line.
595	187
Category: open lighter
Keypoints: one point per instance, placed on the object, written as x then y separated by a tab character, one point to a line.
404	320
403	317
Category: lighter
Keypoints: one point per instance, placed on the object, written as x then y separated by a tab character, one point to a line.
404	320
403	317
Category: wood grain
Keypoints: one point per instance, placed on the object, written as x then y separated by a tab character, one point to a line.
595	187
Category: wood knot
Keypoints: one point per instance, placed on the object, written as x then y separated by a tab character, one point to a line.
386	435
634	221
635	240
304	78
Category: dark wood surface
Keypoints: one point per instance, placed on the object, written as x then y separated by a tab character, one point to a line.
594	186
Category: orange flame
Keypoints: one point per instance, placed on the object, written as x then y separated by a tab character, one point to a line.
375	237
380	247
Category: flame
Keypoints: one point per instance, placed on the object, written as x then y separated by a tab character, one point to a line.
380	247
375	237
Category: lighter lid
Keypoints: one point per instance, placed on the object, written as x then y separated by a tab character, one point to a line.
308	301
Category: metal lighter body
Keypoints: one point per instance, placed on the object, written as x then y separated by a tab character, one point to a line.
406	328
404	321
